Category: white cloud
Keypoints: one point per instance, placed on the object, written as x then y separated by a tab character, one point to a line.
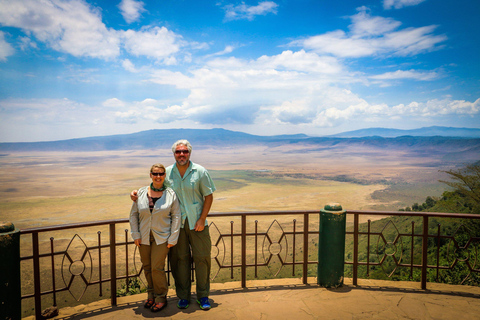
294	112
72	27
113	103
131	10
176	79
301	61
292	88
243	11
227	50
59	119
43	119
326	106
339	44
26	43
152	110
75	27
412	41
289	87
447	106
346	106
373	36
362	111
5	48
129	66
288	71
398	4
154	42
127	117
408	74
364	25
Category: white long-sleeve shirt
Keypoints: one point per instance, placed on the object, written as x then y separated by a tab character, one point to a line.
164	220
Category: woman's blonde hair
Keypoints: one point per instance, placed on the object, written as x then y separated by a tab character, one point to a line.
158	166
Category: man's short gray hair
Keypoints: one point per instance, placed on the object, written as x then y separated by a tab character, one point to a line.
185	143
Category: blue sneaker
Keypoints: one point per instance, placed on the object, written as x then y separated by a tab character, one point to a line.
183	304
204	303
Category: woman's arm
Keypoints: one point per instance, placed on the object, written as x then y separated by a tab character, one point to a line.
135	216
135	224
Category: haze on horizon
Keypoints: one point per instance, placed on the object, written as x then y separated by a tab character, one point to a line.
80	68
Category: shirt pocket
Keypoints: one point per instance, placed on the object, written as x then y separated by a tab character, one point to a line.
197	208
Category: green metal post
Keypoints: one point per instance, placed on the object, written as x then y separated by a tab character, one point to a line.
331	246
10	288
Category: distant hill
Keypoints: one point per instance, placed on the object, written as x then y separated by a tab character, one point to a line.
150	139
447	147
422	132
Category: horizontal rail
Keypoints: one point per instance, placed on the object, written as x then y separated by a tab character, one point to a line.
416	214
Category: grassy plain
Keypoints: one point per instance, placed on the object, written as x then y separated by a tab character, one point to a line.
51	188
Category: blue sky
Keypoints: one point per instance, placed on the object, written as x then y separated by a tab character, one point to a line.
76	68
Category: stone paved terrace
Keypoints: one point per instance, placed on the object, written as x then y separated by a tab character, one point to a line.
290	299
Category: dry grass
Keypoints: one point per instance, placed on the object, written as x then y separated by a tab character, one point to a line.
51	188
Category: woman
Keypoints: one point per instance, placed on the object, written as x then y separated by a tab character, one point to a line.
155	223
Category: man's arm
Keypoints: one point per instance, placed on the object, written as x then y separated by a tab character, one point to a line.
134	195
207	204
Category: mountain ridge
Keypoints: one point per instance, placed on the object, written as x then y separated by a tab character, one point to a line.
202	138
420	132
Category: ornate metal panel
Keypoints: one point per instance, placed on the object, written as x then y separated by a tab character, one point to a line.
77	267
389	249
462	250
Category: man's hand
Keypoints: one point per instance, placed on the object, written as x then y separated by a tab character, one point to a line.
200	225
207	204
138	242
133	195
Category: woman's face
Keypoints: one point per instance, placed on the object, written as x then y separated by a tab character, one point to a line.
157	175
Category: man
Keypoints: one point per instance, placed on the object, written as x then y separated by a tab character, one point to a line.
194	188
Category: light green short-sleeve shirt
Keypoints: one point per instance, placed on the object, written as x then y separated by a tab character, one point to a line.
191	190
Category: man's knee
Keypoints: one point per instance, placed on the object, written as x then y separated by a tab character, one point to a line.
204	259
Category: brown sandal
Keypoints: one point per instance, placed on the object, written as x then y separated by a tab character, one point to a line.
158	306
149	303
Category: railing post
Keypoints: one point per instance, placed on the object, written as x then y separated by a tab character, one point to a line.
36	276
305	247
424	252
10	285
113	265
244	251
355	248
331	246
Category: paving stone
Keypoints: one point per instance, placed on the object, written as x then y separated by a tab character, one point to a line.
290	299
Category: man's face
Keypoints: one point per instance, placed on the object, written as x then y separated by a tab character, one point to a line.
182	156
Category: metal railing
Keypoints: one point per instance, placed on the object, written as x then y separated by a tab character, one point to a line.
239	250
460	249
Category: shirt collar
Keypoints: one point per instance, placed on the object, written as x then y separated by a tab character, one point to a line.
189	169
